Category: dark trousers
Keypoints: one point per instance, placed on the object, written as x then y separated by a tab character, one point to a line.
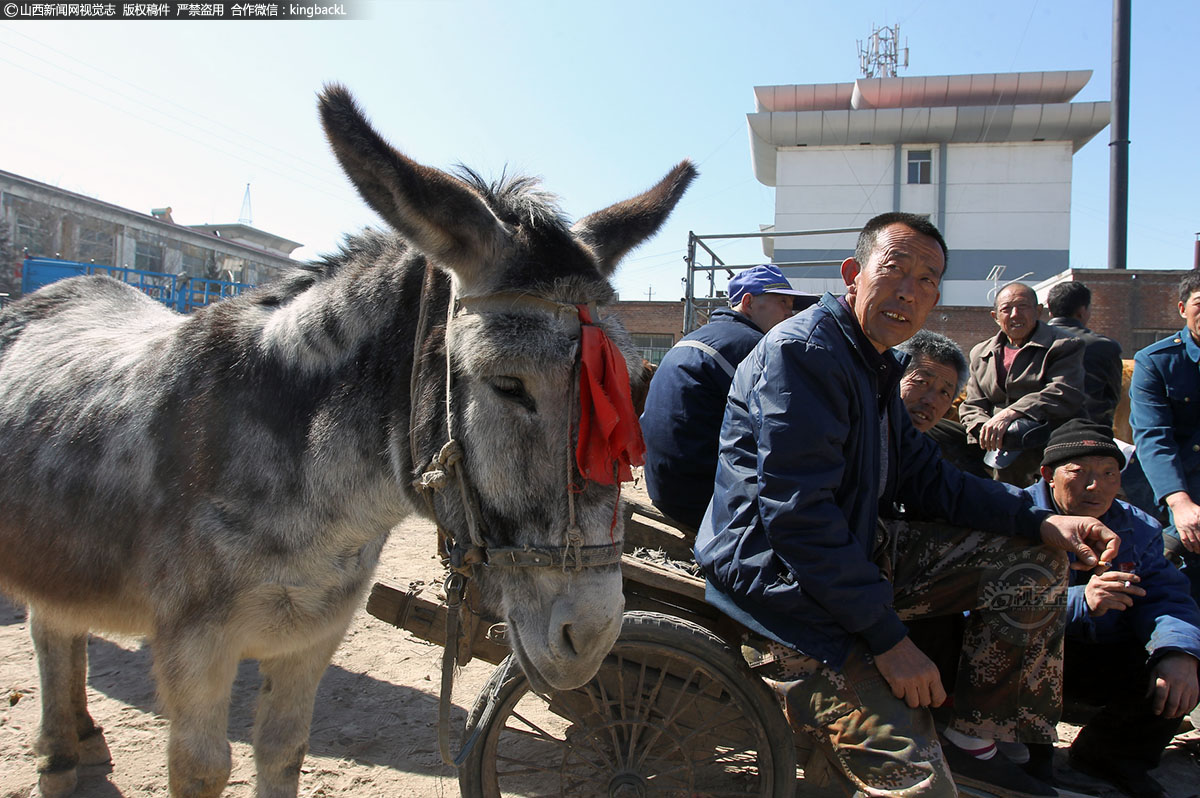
1115	677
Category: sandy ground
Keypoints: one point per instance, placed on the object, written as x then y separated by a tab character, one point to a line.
373	732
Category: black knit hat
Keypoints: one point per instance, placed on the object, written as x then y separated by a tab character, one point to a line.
1081	438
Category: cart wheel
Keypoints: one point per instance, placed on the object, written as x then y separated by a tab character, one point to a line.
672	712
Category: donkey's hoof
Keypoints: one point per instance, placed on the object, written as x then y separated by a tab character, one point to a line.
56	784
93	750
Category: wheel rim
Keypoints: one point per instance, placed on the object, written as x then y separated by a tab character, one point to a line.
654	722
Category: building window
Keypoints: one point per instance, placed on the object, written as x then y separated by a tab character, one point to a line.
653	347
95	246
148	257
920	167
192	265
33	234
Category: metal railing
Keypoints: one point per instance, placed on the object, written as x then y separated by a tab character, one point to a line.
173	290
694	306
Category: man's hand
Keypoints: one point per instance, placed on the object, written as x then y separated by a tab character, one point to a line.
1174	685
991	434
911	675
1185	513
1090	541
1111	590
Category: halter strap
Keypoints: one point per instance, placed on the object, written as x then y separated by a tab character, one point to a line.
448	465
509	301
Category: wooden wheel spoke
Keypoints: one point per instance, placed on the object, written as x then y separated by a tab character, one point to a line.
713	723
567	713
607	701
671	715
533	729
720	756
653	702
526	768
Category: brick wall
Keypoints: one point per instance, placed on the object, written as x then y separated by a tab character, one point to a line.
1135	306
967	326
652	318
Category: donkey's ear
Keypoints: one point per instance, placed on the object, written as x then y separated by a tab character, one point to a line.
612	232
439	214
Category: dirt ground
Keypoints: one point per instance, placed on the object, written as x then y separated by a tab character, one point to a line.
373	732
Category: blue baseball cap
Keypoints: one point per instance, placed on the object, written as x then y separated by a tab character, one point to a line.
765	279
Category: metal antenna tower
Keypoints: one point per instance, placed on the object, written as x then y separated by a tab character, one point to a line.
244	216
881	56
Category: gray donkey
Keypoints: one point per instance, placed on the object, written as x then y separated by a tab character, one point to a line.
223	482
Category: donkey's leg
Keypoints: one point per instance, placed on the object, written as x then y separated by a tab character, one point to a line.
58	739
195	674
93	750
285	708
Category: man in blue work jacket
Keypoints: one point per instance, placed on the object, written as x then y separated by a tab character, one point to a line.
800	544
1164	410
686	400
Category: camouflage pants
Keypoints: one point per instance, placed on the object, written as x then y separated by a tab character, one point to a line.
1009	681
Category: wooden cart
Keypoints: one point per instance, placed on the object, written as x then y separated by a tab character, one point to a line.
674	710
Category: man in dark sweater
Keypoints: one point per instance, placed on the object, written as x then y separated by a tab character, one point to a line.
1070	308
682	420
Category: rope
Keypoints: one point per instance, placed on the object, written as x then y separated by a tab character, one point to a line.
449	370
455	584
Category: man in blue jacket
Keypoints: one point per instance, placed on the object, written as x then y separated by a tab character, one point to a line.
1137	620
682	417
799	544
1164	399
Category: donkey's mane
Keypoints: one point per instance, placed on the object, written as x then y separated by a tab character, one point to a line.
515	199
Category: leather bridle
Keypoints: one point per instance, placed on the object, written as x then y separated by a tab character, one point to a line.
466	552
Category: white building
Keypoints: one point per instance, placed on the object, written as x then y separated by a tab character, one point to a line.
986	157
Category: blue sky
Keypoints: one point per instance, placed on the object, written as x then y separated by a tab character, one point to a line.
599	99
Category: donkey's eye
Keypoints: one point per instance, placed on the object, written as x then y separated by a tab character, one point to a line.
513	390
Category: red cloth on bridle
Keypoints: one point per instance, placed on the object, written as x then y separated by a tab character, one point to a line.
610	438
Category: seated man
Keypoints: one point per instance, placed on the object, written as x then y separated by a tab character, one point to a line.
799	546
686	400
933	378
1137	620
1028	374
1070	305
